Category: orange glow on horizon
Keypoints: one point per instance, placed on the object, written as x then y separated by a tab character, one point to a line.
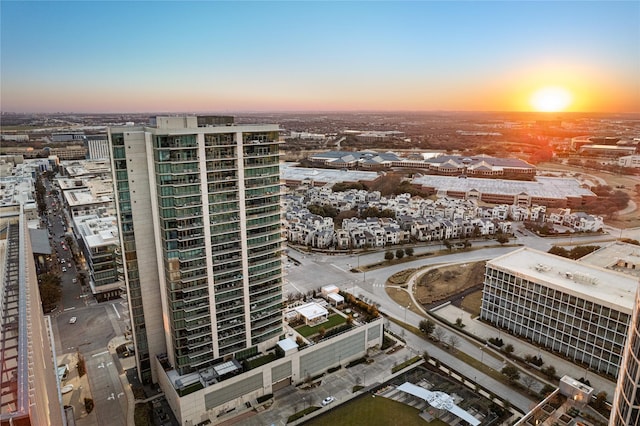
551	99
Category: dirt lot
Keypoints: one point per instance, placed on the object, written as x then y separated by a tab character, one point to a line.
443	282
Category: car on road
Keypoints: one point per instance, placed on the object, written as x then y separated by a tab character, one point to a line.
73	320
328	400
75	280
64	269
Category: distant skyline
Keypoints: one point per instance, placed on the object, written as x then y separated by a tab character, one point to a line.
266	56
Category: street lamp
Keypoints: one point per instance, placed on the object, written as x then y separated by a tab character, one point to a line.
364	273
481	355
405	312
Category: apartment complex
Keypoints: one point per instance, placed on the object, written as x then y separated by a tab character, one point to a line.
626	401
198	205
578	310
29	386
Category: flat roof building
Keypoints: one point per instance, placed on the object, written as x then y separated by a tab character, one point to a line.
292	175
100	243
578	310
617	256
29	392
544	191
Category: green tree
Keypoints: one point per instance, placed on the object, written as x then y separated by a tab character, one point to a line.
50	291
427	326
388	255
502	238
408	251
400	253
508	348
546	390
511	373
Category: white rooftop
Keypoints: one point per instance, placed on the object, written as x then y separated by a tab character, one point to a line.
336	297
97	231
287	344
609	256
311	311
289	172
439	400
546	187
609	288
81	197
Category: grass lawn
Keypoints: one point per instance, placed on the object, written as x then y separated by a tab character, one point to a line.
371	411
472	303
333	320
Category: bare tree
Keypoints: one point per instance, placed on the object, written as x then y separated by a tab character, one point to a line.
454	341
528	381
438	333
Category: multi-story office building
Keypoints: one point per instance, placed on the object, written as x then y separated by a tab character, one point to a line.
29	386
626	401
97	146
198	202
100	244
578	310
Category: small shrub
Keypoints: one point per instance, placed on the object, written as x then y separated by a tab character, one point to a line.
264	398
88	405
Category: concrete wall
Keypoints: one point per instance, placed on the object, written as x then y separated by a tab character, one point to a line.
221	397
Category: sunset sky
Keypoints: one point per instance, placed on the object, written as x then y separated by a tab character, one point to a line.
317	56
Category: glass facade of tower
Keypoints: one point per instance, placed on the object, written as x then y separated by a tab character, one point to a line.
133	294
263	228
626	404
220	228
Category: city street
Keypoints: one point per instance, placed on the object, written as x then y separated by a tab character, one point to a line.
95	325
317	270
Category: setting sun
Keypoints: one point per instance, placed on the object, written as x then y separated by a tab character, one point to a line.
551	99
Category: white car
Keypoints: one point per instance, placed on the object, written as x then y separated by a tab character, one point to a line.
328	400
75	280
73	320
64	269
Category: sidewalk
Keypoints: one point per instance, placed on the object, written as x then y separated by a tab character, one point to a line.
81	390
521	348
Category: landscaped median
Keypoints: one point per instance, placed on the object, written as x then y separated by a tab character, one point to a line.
405	364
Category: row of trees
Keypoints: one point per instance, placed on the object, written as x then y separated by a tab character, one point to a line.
50	291
399	254
430	330
575	253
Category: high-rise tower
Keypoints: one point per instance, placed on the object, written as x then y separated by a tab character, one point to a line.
198	200
626	401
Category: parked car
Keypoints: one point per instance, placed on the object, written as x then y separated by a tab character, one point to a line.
328	400
73	320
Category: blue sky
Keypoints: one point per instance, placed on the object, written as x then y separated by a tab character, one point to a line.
274	56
